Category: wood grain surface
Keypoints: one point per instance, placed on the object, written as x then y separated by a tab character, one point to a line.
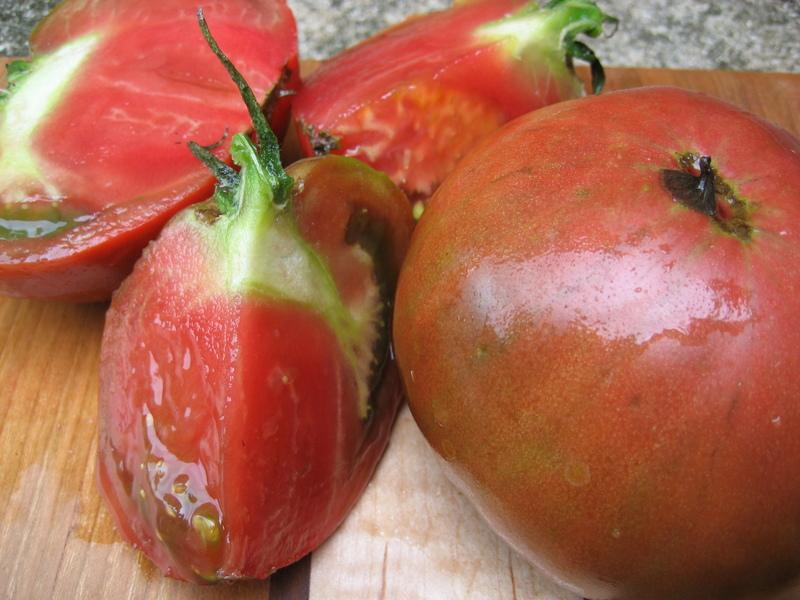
411	535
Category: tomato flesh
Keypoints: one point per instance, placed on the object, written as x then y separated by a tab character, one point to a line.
615	382
110	157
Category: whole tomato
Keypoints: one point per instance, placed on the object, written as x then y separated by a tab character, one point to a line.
598	325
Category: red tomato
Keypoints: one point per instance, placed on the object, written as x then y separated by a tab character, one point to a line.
247	384
414	99
598	329
93	156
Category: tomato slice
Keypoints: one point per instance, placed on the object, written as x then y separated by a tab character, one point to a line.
93	154
412	100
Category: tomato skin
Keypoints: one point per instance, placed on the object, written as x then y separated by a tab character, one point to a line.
615	383
123	178
231	439
415	98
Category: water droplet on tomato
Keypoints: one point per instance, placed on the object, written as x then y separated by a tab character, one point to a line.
776	420
205	521
187	360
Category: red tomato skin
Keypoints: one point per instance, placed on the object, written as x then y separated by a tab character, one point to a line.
129	191
251	397
615	384
416	75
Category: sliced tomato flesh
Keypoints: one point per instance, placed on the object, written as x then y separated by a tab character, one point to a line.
417	133
94	172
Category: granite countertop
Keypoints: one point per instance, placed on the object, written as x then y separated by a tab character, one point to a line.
706	34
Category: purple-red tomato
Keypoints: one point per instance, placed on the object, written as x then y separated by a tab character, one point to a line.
412	100
247	385
598	325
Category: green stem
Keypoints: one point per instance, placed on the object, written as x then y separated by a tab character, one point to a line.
268	149
549	33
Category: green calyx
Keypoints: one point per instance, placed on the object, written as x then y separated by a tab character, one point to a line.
252	227
267	151
550	32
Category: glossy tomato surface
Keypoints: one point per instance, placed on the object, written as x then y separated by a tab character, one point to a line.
611	374
414	99
93	139
240	424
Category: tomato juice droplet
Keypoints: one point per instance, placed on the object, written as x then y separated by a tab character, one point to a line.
205	522
37	219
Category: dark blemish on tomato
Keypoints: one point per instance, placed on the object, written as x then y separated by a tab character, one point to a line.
635	401
694	191
697	186
321	141
207	212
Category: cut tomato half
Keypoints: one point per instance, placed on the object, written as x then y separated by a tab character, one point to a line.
412	100
94	132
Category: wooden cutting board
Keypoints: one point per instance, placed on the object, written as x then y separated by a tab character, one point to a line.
411	535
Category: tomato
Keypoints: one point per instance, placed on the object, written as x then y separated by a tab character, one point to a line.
247	385
598	327
93	155
414	99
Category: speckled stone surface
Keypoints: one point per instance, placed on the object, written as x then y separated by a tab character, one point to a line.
722	34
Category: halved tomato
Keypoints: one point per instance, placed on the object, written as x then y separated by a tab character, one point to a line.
247	385
414	99
93	132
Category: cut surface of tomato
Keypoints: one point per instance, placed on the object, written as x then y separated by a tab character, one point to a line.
93	154
412	100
